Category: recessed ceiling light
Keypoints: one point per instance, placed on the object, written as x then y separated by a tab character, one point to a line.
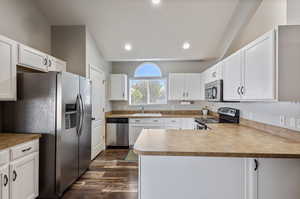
186	45
156	2
128	47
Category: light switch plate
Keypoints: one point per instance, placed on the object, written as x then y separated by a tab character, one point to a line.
298	124
292	122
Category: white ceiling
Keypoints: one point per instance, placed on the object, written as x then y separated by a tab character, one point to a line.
155	32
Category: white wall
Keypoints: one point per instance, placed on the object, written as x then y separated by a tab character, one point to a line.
22	21
268	15
293	11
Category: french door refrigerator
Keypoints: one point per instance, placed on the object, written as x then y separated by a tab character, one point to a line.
58	105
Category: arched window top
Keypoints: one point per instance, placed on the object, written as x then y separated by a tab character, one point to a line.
147	69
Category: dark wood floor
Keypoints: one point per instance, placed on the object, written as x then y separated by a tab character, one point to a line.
109	177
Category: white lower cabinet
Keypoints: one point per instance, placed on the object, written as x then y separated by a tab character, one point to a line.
273	178
24	177
19	171
136	126
4	182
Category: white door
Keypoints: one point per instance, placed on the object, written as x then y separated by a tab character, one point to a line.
33	58
232	74
8	62
260	69
98	110
177	86
4	182
118	87
278	178
24	175
192	86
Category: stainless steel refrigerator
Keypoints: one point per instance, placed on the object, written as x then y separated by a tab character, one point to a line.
58	105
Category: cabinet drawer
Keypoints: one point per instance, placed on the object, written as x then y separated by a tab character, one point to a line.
24	149
147	121
173	121
4	157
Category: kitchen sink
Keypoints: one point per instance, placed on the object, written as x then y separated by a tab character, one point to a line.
147	114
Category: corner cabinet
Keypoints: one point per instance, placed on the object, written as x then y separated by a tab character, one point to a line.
185	86
8	62
118	87
19	171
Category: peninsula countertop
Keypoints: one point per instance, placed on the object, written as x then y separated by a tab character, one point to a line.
222	140
8	140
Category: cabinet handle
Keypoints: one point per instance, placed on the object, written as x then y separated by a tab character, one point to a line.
183	94
123	94
256	164
187	94
28	149
242	90
50	63
15	175
214	74
239	90
5	180
45	61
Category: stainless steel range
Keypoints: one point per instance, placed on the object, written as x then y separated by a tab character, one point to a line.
226	115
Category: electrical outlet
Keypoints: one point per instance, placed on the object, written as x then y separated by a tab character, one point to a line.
298	124
282	120
292	122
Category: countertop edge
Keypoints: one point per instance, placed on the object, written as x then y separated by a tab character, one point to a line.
18	141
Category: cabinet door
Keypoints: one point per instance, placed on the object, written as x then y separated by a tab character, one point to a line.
202	86
8	62
278	178
232	73
188	123
192	86
31	58
260	69
118	87
4	182
177	86
134	132
24	177
97	136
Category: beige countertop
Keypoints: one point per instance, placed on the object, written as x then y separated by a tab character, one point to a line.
223	140
8	140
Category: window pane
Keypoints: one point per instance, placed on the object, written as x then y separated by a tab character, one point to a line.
138	92
147	69
157	89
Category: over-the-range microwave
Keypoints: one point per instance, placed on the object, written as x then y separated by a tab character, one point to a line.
214	91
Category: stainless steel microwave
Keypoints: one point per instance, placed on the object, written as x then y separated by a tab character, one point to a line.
214	91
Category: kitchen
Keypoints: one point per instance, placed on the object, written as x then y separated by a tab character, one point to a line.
103	108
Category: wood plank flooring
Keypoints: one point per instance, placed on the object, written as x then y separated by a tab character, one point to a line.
109	177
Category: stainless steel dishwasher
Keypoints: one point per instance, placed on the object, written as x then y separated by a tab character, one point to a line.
117	132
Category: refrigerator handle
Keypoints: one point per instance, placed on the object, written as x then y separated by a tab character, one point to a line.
81	114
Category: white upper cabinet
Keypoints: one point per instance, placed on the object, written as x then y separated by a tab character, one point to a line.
214	73
33	58
184	86
260	69
232	76
55	64
249	74
118	87
8	62
176	86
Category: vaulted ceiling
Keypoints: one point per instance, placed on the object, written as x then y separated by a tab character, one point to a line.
155	32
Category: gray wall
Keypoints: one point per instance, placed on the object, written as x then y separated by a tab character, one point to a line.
293	14
166	68
69	44
22	21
